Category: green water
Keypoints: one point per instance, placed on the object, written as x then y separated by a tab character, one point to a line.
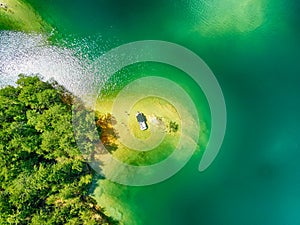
252	46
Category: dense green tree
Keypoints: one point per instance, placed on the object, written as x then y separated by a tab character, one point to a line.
43	178
173	127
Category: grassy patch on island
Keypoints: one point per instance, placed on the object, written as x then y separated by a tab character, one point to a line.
159	139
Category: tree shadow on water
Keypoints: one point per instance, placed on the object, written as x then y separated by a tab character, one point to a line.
108	134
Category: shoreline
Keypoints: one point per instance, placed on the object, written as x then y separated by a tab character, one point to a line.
18	15
159	114
105	190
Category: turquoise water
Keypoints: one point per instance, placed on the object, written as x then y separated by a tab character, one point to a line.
252	46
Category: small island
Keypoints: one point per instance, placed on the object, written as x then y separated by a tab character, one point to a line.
162	133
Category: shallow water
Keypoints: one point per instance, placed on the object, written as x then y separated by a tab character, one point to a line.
252	46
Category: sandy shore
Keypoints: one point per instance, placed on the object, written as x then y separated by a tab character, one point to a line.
158	113
126	135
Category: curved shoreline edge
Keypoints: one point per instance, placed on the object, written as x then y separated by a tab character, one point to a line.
18	15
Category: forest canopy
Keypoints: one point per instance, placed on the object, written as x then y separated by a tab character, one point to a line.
43	178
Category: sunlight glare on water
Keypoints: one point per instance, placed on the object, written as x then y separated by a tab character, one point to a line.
221	17
32	54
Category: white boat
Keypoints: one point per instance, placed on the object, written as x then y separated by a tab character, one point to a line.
141	120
